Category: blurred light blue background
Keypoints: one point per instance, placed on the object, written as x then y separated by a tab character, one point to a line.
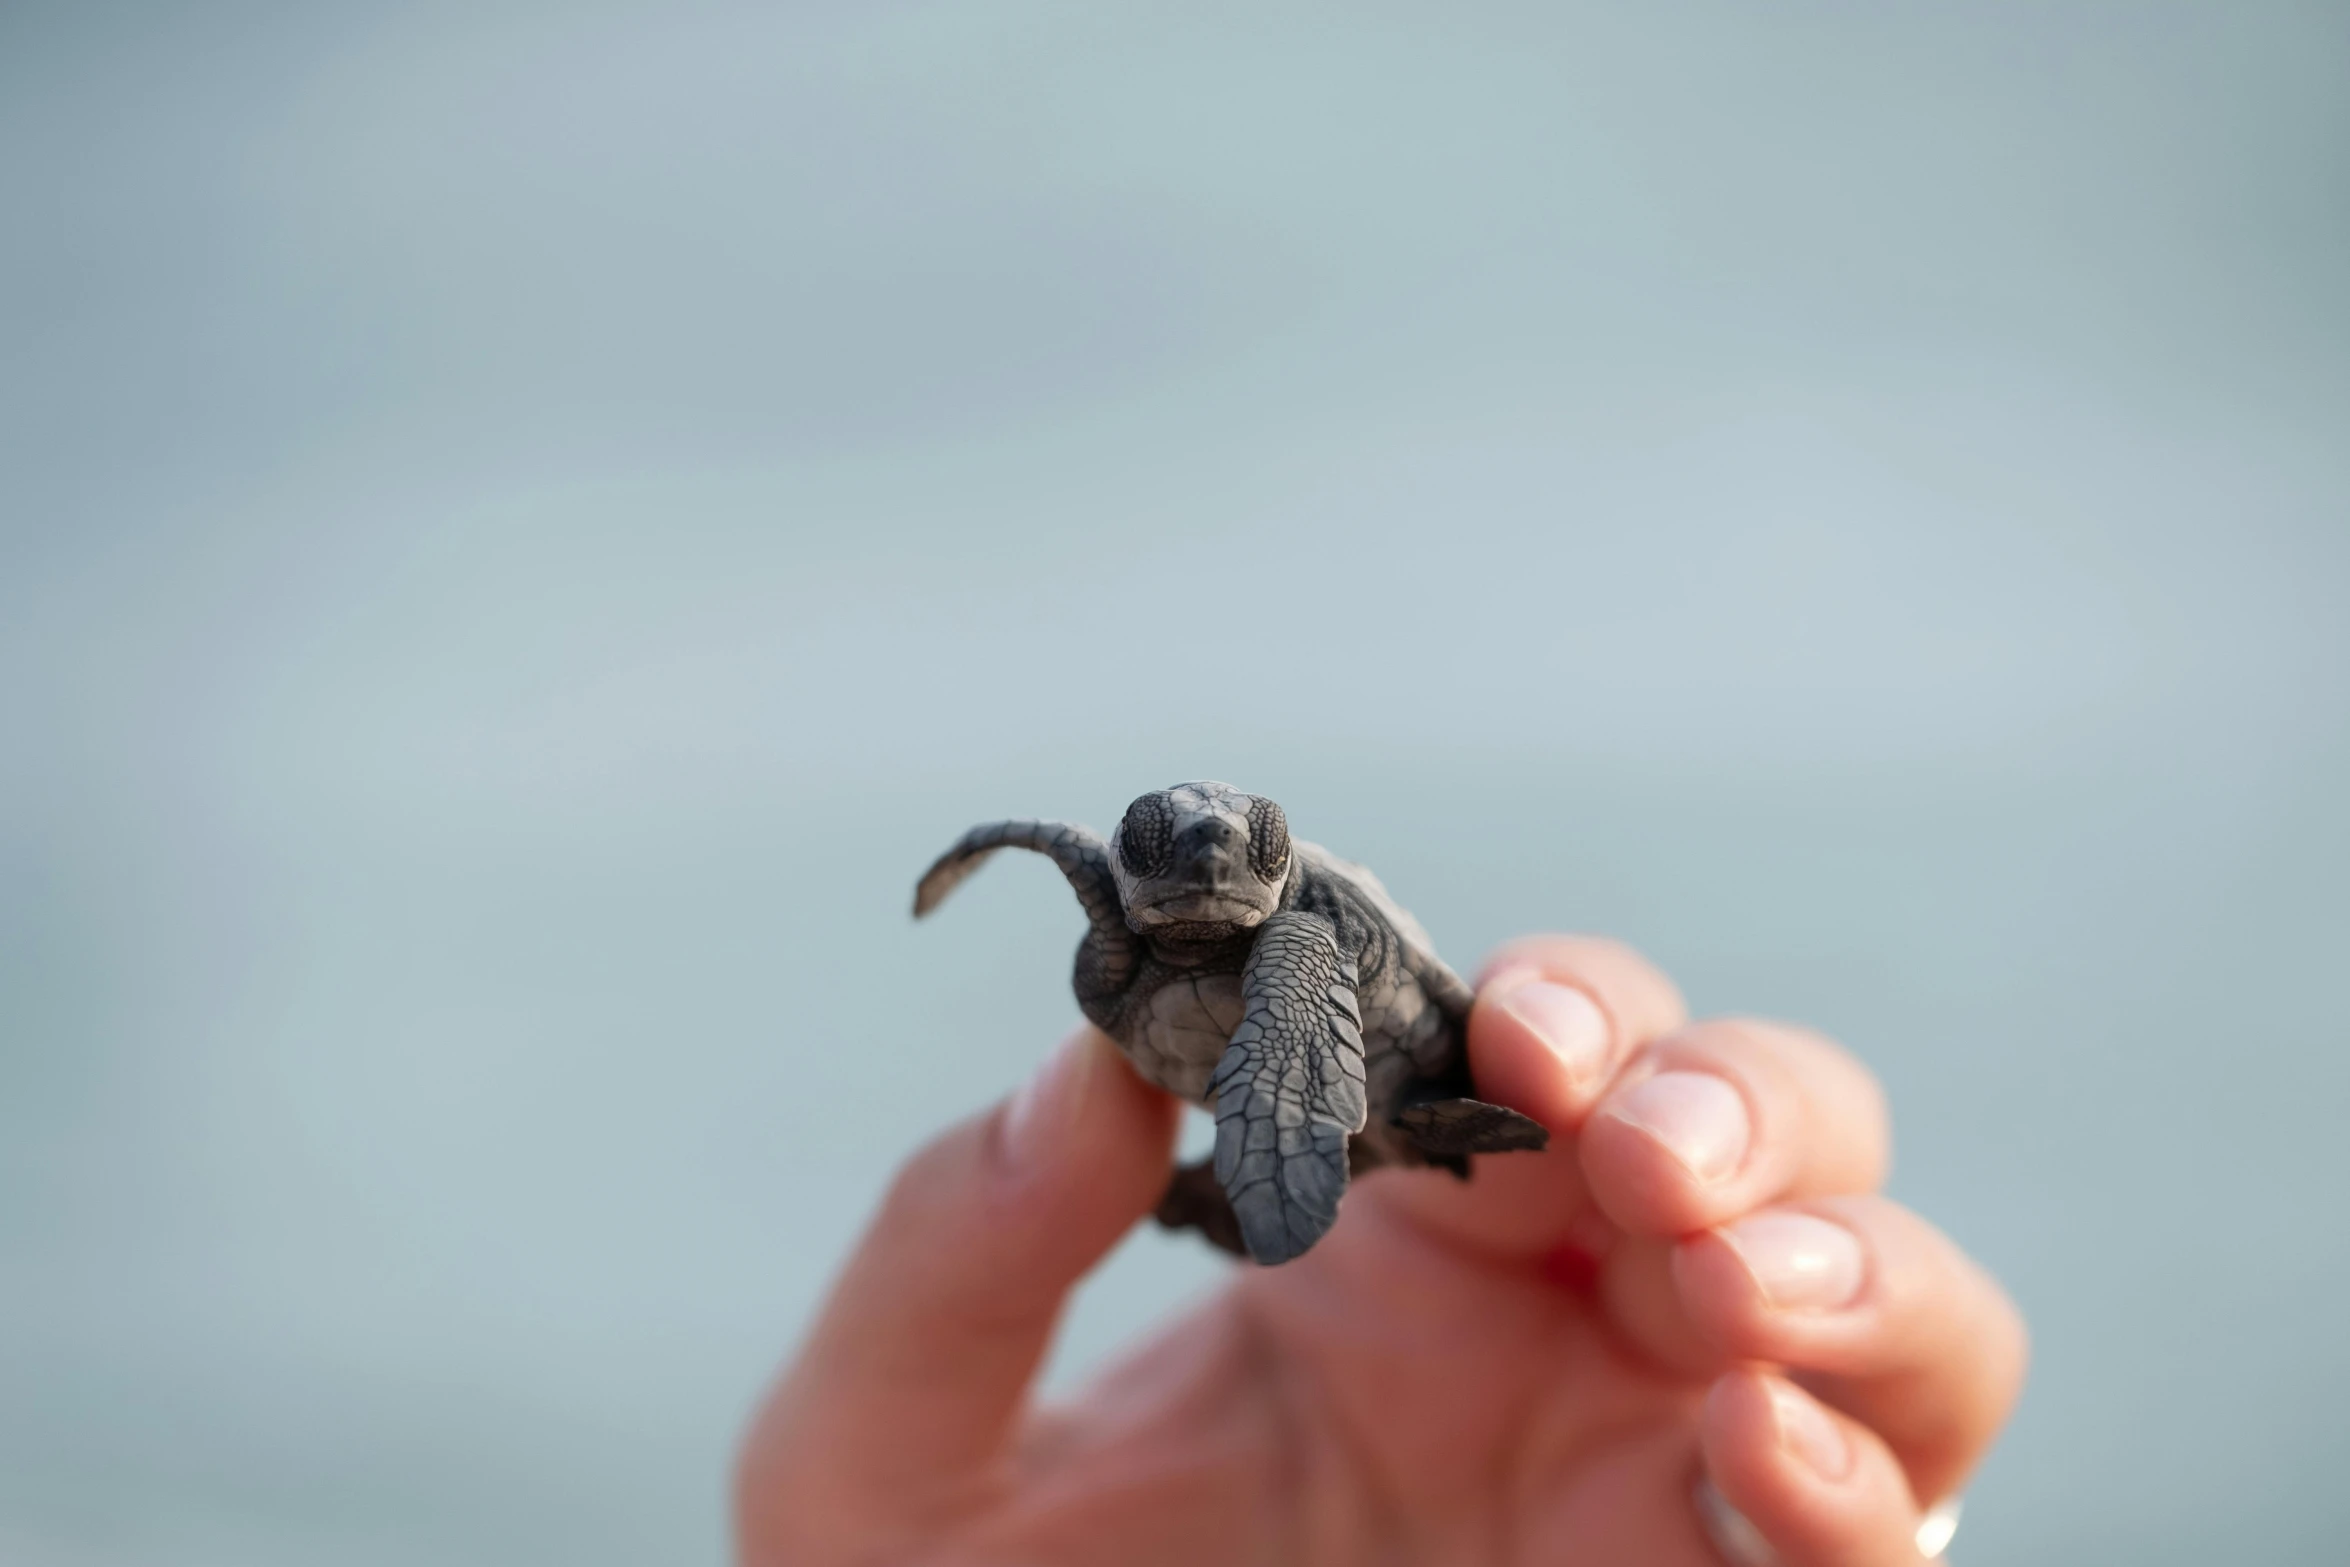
523	528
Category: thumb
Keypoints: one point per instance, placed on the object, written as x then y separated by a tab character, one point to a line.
920	1362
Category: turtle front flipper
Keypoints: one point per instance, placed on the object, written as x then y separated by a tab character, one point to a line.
1289	1090
1078	851
1107	958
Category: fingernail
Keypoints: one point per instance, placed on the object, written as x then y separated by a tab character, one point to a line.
1800	1263
1806	1431
1699	1118
1564	1019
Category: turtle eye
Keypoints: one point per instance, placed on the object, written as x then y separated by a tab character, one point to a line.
1268	839
1146	838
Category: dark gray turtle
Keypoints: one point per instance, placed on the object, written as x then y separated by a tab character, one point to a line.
1274	983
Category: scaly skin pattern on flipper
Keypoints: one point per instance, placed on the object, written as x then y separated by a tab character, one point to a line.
1275	984
1289	1090
1106	958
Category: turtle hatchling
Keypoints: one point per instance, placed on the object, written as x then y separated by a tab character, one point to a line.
1273	983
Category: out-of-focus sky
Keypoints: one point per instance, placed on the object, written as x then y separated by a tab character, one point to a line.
524	527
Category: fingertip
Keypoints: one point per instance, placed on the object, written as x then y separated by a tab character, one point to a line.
1542	1046
1884	1313
1553	1020
1772	1433
1556	1016
1815	1484
1672	1151
1083	1146
1012	1205
1717	1118
1786	1284
1640	996
1083	1100
923	1354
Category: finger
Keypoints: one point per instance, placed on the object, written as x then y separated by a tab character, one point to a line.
920	1362
1818	1486
1885	1317
1554	1016
1718	1118
1706	1124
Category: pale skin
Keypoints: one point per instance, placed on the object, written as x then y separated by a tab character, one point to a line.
1525	1369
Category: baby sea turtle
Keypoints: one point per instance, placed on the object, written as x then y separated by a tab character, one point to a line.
1274	983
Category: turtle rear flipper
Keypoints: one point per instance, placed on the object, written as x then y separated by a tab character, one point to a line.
1195	1200
1447	1131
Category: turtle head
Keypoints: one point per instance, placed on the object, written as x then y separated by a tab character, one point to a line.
1200	861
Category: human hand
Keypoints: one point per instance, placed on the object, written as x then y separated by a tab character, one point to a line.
1528	1368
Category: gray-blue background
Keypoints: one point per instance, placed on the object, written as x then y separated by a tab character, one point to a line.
522	529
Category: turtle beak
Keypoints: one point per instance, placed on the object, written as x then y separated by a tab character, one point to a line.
1207	856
